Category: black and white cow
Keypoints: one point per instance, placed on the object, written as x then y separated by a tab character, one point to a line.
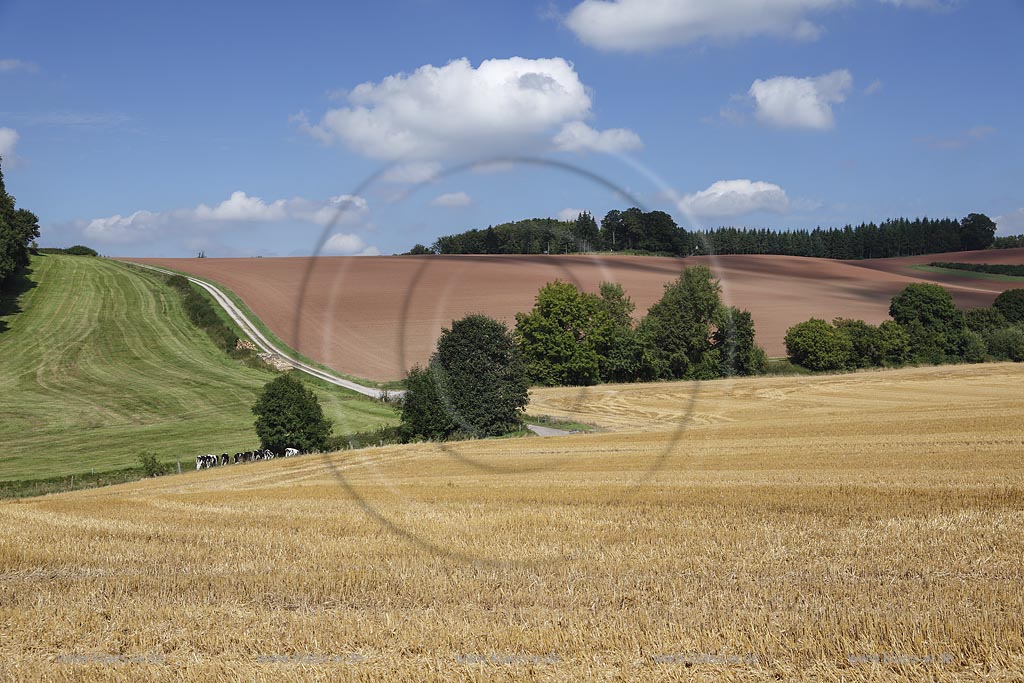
291	452
205	461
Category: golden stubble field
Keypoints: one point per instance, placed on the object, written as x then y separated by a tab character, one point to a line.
844	528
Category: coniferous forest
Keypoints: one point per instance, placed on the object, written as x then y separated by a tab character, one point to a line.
656	232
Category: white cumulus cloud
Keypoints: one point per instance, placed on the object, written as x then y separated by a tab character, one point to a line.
502	105
790	102
8	139
577	136
727	198
344	244
239	208
452	199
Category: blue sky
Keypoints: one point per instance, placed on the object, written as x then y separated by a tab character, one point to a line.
242	128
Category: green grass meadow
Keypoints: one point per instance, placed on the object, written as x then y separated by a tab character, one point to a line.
99	363
970	274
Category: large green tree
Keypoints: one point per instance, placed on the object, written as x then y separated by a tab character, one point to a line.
474	386
733	340
426	411
937	329
18	229
562	339
977	231
676	332
288	415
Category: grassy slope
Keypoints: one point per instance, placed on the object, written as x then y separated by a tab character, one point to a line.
102	363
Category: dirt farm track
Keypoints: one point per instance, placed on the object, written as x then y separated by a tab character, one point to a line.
374	317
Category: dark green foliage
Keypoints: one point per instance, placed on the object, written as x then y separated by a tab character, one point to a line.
974	349
976	232
483	374
984	319
865	342
1006	343
77	250
427	412
733	340
895	237
419	250
620	355
584	230
381	436
562	339
202	314
992	268
816	345
575	338
1011	304
894	343
1008	242
935	326
532	236
676	332
288	415
474	386
151	466
18	229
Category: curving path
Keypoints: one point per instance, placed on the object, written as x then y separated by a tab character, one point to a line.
266	346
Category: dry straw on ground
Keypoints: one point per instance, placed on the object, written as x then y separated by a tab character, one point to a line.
859	527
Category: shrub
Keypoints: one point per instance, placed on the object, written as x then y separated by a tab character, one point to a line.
816	345
150	465
865	342
288	415
974	350
1011	304
80	250
894	344
1006	344
984	319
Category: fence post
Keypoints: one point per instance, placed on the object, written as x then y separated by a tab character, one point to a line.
72	482
179	466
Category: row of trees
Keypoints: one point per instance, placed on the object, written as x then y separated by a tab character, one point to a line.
656	232
19	228
577	338
926	328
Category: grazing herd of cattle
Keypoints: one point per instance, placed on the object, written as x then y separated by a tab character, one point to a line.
206	461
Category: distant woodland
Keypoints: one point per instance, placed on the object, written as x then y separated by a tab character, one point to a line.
656	232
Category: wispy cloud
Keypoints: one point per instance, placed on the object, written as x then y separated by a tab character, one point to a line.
7	65
961	141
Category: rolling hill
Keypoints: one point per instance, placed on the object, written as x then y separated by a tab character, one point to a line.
374	317
101	364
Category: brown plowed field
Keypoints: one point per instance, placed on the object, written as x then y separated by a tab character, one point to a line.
374	317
